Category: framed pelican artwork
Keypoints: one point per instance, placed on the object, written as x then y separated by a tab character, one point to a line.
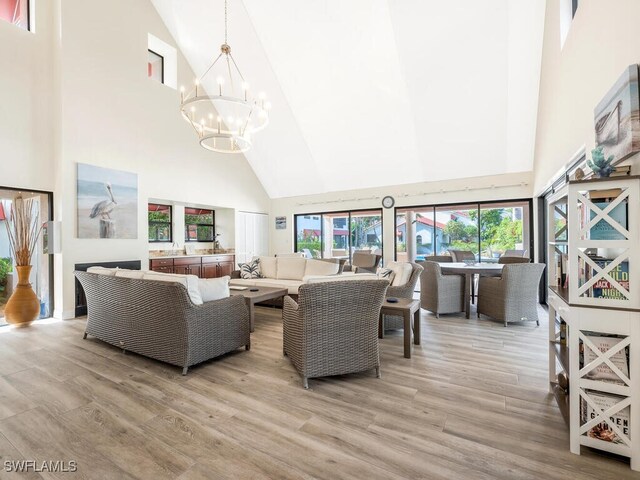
107	203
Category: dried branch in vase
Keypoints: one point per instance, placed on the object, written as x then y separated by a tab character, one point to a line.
23	229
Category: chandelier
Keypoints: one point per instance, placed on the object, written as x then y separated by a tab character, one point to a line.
226	118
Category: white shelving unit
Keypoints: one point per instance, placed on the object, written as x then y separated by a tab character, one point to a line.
594	297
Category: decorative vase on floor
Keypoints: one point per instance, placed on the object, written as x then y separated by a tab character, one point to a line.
23	306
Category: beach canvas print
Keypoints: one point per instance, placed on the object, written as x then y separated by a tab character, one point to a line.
617	117
107	203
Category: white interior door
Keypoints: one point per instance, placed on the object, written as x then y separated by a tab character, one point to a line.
252	235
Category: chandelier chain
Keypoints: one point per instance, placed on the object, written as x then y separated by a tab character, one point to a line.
225	22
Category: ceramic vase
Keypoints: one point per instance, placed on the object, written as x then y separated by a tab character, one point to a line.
23	306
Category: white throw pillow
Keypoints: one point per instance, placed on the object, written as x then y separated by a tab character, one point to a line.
214	288
318	267
189	281
291	268
103	271
268	267
250	269
403	272
139	274
386	274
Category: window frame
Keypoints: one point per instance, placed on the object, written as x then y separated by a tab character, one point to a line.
158	223
161	66
212	224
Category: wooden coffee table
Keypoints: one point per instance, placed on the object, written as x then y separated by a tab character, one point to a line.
261	295
405	308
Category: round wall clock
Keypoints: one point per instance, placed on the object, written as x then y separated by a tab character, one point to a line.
388	202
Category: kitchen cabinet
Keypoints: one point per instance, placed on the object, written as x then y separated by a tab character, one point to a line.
209	266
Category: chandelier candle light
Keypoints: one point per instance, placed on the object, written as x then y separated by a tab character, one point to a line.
224	122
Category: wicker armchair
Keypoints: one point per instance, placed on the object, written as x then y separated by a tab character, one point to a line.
513	297
393	322
159	320
441	293
333	329
506	260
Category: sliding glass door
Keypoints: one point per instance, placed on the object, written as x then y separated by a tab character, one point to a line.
41	278
338	234
485	230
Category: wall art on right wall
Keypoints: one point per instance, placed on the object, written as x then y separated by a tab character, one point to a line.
617	117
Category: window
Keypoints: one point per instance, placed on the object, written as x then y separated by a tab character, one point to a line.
159	223
162	62
487	230
199	225
155	66
338	234
15	12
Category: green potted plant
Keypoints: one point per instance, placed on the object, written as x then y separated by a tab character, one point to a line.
601	166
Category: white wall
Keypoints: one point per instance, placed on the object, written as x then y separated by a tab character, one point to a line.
496	187
103	110
602	41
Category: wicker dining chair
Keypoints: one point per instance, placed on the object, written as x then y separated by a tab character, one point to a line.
441	293
440	258
365	262
507	260
513	297
394	322
462	255
514	253
333	328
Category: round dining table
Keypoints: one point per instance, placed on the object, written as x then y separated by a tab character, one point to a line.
470	271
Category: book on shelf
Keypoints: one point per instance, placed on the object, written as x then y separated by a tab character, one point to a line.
604	288
621	171
603	229
603	431
603	372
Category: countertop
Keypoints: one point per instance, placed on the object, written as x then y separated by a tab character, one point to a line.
195	255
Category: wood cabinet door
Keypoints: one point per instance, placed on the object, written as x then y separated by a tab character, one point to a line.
209	270
163	269
195	269
225	268
181	269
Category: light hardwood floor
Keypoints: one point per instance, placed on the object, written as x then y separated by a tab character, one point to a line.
471	403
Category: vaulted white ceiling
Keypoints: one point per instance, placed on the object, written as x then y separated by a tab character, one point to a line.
369	93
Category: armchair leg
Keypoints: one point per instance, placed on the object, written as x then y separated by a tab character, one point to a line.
84	337
247	346
437	315
184	370
378	374
505	323
305	383
538	323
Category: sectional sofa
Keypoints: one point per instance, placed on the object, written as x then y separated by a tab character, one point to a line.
292	272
